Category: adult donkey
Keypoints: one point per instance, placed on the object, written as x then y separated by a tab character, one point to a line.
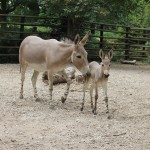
64	76
51	56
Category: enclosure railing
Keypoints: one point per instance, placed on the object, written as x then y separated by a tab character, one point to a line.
14	28
128	42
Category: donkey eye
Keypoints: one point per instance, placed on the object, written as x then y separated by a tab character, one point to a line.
78	56
103	65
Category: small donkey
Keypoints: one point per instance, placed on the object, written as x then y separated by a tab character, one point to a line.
99	77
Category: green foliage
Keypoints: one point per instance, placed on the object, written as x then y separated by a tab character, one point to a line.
147	60
146	20
126	12
26	7
118	54
147	43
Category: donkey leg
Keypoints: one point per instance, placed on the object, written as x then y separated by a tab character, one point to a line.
50	79
34	79
96	97
106	101
106	97
23	70
64	97
67	73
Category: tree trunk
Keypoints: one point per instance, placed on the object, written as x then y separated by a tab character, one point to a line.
3	10
70	26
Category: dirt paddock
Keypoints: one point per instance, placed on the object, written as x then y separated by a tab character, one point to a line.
27	124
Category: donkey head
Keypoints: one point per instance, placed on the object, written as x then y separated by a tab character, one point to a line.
105	63
79	55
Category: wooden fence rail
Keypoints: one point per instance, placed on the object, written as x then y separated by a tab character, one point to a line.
129	43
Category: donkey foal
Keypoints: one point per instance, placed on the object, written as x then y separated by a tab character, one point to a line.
99	77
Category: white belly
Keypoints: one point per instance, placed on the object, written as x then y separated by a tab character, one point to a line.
38	67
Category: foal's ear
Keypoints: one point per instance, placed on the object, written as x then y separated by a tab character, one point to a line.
101	54
84	40
77	39
110	54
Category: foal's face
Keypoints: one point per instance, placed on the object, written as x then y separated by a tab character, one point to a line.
105	61
105	66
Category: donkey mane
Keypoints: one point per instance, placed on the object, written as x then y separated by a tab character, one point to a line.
65	45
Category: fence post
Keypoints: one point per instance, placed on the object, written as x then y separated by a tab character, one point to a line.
101	35
144	36
92	26
22	28
127	45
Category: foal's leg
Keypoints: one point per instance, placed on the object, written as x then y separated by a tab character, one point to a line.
106	97
83	99
23	70
96	97
34	79
91	95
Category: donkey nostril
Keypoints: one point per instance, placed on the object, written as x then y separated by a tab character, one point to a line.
106	75
88	74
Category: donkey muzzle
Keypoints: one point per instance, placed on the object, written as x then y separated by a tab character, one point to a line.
88	74
106	75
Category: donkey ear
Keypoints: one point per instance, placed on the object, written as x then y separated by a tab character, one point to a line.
110	54
101	54
84	40
77	39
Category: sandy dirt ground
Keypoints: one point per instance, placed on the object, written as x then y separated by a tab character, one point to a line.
29	125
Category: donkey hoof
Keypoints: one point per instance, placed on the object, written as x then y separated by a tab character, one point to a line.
81	109
107	111
21	96
109	117
37	99
94	112
63	99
